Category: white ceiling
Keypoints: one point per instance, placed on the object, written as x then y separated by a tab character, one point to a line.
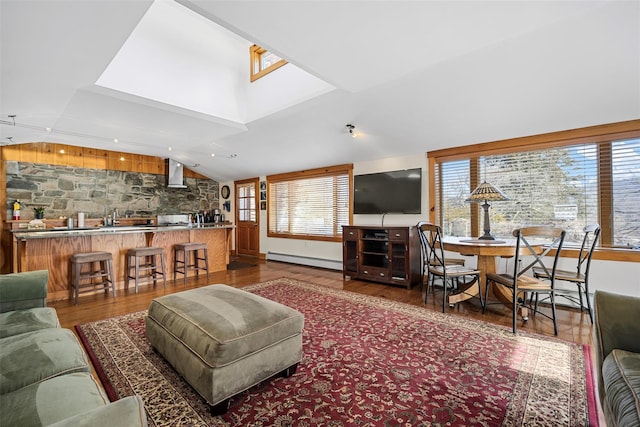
413	76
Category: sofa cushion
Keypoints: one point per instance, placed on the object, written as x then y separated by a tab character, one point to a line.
21	321
37	356
19	291
621	377
52	400
128	411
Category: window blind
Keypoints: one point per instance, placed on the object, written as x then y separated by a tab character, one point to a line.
317	206
565	186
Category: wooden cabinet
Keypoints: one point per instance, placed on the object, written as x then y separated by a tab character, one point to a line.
381	254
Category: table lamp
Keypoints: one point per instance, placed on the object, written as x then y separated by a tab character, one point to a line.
483	193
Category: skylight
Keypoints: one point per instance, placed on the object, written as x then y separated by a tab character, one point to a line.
178	57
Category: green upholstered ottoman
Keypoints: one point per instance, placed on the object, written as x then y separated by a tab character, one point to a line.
223	340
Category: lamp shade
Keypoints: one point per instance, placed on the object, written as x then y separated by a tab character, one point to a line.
486	192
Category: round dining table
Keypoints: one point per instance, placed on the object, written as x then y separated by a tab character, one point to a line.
486	251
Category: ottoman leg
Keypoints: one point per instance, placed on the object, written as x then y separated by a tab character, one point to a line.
221	408
289	371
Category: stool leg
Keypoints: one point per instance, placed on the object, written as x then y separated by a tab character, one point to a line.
175	263
164	277
76	279
127	271
135	279
206	263
113	284
185	266
196	263
104	270
154	270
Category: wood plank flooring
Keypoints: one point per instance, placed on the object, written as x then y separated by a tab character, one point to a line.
573	326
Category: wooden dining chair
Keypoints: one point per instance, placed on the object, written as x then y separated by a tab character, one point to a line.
425	256
580	276
436	265
521	282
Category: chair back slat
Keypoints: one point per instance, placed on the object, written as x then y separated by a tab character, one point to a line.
431	242
591	235
528	238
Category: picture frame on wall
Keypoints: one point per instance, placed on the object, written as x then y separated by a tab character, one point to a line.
263	205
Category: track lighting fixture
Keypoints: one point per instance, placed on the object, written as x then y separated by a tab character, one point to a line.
352	130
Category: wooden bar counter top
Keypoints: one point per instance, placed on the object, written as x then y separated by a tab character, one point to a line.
52	248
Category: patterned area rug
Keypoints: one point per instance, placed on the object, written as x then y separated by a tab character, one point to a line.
367	362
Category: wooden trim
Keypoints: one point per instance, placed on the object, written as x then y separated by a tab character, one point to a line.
432	189
90	158
255	56
310	173
474	181
600	134
306	174
605	191
620	130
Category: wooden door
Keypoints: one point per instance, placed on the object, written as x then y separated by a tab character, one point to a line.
247	217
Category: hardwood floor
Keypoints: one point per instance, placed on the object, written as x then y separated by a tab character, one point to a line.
573	326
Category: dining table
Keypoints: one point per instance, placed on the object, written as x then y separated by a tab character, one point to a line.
487	253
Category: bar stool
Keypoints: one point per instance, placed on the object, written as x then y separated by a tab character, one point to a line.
149	263
96	275
181	264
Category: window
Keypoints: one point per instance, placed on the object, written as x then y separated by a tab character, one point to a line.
567	179
246	202
312	204
263	62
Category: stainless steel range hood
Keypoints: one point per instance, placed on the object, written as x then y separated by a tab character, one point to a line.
174	172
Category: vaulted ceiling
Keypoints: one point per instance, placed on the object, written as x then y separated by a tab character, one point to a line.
412	76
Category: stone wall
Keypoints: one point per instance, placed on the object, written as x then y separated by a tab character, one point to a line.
65	191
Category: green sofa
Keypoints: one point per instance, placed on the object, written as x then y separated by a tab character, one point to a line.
45	376
617	344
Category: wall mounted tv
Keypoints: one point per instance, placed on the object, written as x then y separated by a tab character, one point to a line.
394	192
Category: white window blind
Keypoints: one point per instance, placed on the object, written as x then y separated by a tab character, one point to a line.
567	186
309	206
625	169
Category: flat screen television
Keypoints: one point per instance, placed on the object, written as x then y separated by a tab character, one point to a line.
394	192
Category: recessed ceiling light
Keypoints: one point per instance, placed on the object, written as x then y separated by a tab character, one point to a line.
170	148
213	154
115	140
48	129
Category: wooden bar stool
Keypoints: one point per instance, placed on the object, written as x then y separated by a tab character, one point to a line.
182	264
98	272
149	263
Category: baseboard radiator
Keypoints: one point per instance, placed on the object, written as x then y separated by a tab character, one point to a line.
305	260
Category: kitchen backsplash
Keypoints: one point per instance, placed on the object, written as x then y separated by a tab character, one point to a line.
65	191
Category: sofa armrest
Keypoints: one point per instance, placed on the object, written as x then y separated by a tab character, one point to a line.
128	411
616	326
19	291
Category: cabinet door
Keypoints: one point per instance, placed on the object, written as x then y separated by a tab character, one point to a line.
350	252
399	261
350	258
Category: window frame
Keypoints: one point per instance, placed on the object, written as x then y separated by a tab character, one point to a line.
601	135
255	57
329	171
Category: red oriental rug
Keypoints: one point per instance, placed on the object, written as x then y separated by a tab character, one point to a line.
367	362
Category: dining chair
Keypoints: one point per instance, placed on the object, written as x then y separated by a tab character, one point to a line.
580	276
449	261
521	281
436	265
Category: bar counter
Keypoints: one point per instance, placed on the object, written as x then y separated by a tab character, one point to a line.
51	249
